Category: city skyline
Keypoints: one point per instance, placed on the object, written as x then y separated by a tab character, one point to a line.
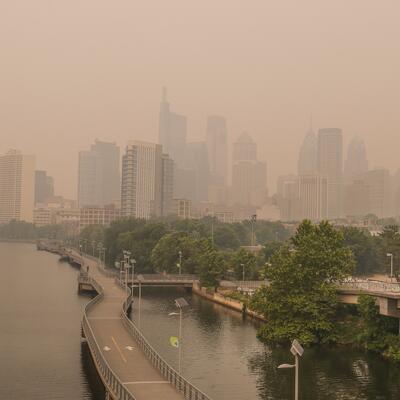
56	100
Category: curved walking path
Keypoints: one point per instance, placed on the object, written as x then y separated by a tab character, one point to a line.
119	348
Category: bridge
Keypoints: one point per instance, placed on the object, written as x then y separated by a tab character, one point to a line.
130	368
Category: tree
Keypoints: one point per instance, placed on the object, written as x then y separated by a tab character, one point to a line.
243	258
211	266
165	255
301	299
364	249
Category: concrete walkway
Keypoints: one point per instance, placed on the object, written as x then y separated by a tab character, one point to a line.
119	348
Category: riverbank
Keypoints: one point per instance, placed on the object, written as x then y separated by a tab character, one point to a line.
226	302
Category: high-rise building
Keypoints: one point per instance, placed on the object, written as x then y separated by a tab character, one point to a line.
172	131
249	183
217	147
356	161
313	197
380	193
307	163
167	189
147	176
17	187
287	197
196	161
244	148
330	165
356	198
99	175
44	187
249	176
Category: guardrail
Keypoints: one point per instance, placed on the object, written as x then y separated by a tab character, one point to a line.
110	379
370	286
189	391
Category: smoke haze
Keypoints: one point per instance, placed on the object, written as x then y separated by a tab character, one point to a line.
73	71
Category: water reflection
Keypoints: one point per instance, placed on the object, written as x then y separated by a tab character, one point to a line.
224	358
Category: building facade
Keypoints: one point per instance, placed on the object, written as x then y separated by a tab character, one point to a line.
99	175
44	187
330	165
147	176
217	147
17	187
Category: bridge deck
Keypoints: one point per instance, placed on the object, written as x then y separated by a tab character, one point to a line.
130	364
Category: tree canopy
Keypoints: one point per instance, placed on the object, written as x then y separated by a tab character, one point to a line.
301	297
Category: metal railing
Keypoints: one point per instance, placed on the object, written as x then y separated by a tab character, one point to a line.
370	286
113	383
108	376
189	391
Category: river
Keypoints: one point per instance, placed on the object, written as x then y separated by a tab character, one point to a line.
42	356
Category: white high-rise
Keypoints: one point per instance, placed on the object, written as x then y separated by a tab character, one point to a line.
17	187
147	181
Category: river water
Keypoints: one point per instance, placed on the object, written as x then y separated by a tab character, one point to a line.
42	357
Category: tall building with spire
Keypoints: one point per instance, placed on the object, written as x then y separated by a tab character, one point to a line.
307	162
172	131
356	161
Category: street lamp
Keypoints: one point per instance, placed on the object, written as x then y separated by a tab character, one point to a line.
253	220
180	303
242	265
297	350
391	265
180	262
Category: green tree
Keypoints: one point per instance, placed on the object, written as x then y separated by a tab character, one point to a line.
165	255
301	299
364	249
211	266
244	259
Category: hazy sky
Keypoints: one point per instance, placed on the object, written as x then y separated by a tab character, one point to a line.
71	71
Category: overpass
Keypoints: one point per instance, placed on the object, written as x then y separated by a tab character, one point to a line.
130	368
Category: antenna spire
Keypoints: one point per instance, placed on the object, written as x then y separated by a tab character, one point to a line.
164	94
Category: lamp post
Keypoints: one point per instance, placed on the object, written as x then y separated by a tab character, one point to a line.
180	262
93	246
253	220
242	265
391	265
180	303
297	350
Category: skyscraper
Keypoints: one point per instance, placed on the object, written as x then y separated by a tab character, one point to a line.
147	176
356	162
44	187
307	163
330	165
17	187
217	147
249	176
313	197
244	148
99	175
197	163
172	131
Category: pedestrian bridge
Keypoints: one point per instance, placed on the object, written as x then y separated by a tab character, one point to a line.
130	368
